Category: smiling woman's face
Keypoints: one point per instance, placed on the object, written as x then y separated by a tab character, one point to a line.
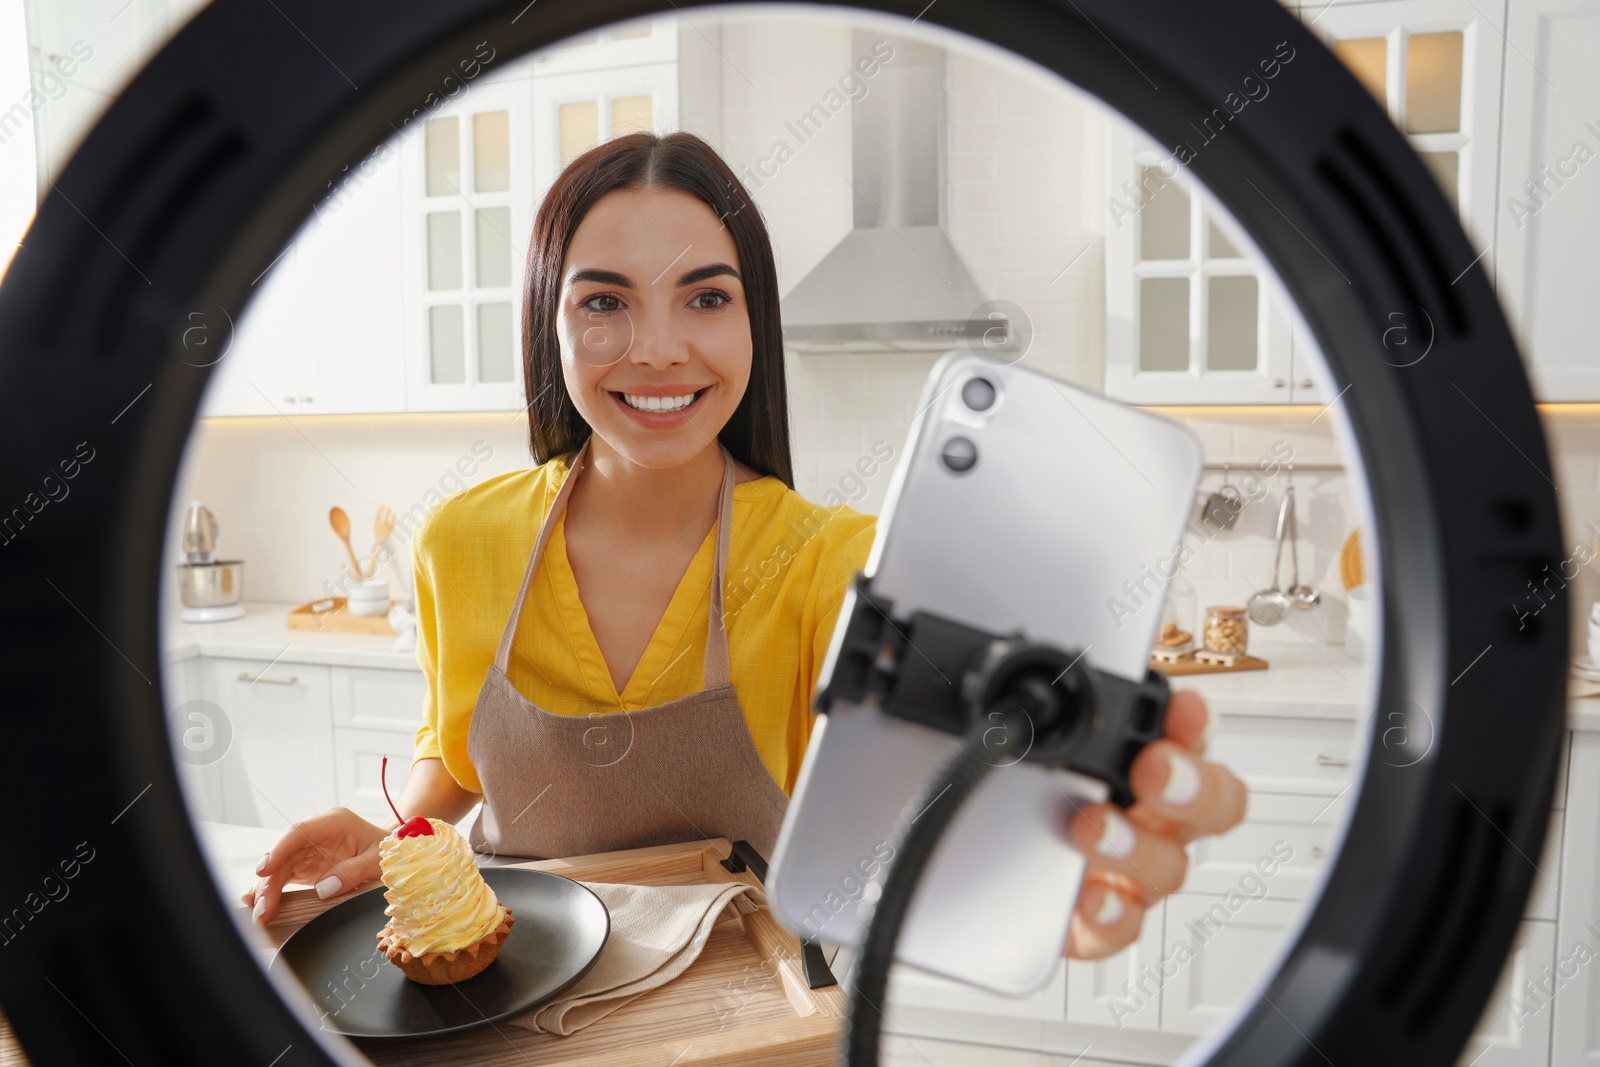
653	315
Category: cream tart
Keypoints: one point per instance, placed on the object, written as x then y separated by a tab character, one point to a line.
445	922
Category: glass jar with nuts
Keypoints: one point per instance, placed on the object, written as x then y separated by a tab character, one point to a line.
1227	630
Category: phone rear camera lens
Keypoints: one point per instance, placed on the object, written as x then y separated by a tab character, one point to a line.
978	394
959	454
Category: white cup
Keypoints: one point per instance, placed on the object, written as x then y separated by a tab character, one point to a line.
1358	626
371	597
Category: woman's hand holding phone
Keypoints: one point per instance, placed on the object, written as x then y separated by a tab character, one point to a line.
336	851
1137	856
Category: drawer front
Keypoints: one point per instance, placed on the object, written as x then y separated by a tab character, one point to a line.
372	699
1280	849
1514	1030
1273	755
1223	951
1123	990
283	737
358	757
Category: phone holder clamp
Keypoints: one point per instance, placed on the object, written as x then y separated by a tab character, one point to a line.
944	674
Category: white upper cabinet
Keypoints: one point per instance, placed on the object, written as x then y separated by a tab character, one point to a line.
1190	318
466	216
1548	226
1435	67
323	336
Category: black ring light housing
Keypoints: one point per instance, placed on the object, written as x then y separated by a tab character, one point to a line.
200	172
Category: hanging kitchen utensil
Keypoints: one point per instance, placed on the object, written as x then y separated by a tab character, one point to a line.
1223	506
1268	607
1300	595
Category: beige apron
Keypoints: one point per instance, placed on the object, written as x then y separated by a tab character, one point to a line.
568	785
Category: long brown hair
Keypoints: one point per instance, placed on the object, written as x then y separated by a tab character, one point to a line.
758	431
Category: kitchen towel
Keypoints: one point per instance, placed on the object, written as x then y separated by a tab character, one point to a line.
657	931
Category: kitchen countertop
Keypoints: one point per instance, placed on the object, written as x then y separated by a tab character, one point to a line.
264	634
1303	681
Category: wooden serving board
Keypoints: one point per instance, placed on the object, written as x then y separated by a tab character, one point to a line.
1190	665
744	1000
337	619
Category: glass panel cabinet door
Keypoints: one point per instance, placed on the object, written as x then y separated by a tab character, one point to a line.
1435	66
574	112
467	218
1188	317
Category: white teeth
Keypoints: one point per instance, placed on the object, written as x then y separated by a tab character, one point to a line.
656	403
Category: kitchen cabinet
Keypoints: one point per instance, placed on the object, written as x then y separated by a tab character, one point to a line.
1232	952
304	736
467	214
1548	224
1435	66
1192	316
282	723
1575	1005
1511	1032
1122	991
324	336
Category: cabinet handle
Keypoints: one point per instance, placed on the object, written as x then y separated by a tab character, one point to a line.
1316	852
1331	761
307	399
1306	384
288	400
1279	383
253	678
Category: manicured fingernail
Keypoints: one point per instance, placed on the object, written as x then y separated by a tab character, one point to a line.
261	906
265	856
1110	909
329	886
1183	780
1117	839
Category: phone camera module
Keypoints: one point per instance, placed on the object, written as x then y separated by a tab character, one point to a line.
959	454
978	394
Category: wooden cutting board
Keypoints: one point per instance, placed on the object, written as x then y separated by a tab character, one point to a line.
1194	666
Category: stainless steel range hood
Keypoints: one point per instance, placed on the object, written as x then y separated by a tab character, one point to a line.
894	282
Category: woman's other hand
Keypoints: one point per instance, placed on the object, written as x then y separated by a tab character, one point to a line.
1137	856
335	851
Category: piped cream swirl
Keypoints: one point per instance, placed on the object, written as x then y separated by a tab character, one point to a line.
438	901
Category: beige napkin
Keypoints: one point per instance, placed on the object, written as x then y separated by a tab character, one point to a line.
656	932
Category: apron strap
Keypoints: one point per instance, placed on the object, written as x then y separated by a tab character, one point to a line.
717	670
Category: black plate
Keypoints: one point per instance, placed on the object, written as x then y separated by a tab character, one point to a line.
559	929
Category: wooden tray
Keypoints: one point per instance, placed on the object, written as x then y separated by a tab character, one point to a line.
744	1000
1194	666
337	618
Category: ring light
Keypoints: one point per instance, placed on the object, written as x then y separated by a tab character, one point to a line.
203	168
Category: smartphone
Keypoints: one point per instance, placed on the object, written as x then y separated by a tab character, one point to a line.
1021	501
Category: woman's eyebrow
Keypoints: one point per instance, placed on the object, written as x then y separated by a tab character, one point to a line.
611	277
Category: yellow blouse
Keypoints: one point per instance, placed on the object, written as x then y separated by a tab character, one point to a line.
789	564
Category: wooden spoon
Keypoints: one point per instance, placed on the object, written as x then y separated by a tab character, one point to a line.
341	526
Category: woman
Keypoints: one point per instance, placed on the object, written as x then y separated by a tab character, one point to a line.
615	700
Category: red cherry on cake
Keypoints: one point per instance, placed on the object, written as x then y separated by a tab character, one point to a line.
417	825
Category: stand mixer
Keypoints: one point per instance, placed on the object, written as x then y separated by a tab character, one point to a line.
212	590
